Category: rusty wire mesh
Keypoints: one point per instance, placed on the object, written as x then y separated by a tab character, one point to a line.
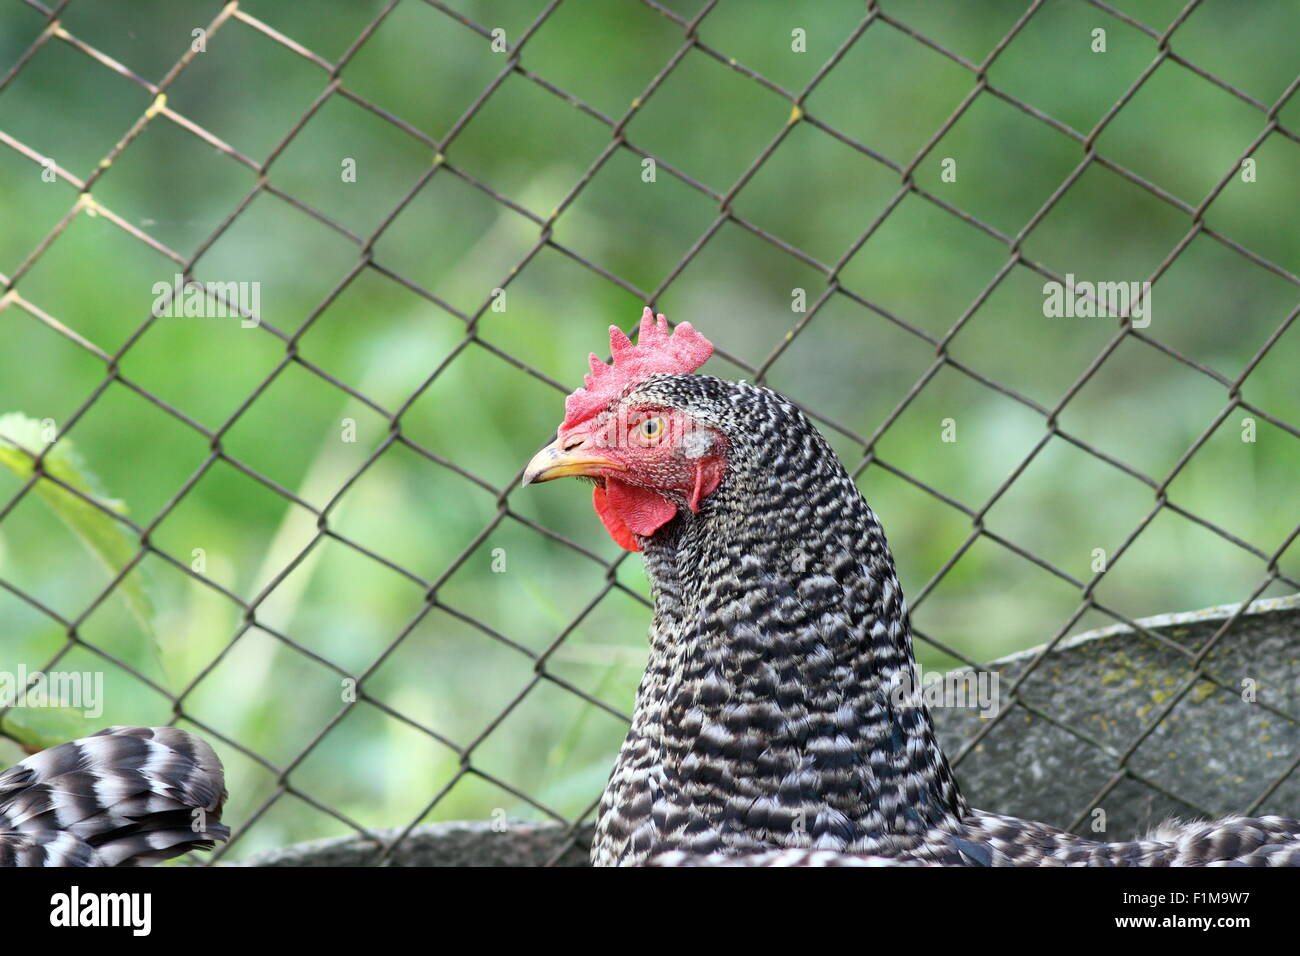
875	15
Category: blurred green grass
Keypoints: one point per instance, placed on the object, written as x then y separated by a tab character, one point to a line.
486	415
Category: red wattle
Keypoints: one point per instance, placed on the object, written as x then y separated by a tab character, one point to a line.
626	509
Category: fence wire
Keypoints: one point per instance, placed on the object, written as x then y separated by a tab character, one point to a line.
231	17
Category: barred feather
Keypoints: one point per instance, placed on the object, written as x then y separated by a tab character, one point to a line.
122	797
766	732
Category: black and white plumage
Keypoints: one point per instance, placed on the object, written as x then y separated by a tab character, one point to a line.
122	797
768	728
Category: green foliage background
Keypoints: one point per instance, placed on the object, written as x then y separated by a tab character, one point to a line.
923	265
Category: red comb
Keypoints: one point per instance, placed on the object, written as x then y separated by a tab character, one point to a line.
657	351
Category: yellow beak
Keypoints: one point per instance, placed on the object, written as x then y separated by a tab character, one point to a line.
556	462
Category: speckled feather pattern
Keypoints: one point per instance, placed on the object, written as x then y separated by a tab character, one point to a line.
122	797
767	728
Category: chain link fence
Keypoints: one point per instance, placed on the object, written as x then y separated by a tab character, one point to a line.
512	61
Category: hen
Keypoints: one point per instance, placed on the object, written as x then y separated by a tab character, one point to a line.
779	720
124	796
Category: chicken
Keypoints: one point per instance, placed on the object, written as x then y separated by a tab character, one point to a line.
779	720
122	797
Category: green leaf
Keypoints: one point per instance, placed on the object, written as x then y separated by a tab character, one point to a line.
21	438
42	727
10	753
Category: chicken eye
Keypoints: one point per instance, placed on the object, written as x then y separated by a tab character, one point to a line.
650	429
